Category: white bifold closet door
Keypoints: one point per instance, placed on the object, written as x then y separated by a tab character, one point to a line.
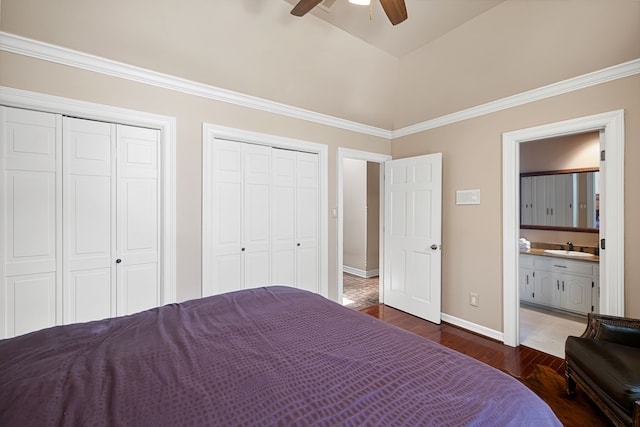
82	220
294	212
30	293
264	218
110	214
241	206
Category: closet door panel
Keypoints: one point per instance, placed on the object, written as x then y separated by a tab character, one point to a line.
138	225
30	220
89	295
137	288
89	206
31	140
256	230
33	304
227	199
307	205
283	218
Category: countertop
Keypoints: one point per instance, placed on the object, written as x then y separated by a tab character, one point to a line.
541	252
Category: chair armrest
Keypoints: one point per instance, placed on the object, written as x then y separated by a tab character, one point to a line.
620	330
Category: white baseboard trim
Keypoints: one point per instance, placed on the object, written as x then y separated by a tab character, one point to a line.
366	274
478	329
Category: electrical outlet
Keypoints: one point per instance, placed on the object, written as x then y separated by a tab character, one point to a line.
473	299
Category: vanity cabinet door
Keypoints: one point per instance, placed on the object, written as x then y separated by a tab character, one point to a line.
526	283
576	293
544	288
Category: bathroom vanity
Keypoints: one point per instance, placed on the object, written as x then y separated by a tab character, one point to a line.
562	282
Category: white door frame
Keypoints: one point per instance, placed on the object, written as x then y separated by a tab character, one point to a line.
166	125
346	153
211	132
611	211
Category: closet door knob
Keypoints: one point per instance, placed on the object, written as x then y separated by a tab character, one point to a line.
242	249
118	261
298	244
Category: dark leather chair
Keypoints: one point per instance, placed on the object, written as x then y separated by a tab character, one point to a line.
605	362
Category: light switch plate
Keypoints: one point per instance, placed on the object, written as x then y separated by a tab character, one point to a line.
468	197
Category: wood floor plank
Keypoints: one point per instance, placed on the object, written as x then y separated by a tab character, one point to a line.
518	361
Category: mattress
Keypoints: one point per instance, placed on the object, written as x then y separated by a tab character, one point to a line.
273	356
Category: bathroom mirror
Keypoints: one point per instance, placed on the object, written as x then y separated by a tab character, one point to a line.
560	200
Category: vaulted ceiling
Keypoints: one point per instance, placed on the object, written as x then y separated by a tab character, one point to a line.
428	20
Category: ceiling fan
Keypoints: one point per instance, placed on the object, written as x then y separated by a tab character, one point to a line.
396	10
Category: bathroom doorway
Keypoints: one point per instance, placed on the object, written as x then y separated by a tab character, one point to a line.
558	209
611	261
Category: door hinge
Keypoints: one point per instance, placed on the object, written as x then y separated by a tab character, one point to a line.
592	308
602	244
533	295
593	285
602	156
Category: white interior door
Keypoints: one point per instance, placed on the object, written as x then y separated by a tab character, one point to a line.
30	249
412	236
138	220
89	220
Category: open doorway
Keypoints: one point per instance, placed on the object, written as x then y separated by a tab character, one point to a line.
558	209
361	225
360	241
611	232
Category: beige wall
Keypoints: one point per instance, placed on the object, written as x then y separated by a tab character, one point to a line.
514	47
361	216
373	216
354	213
472	158
561	153
26	73
256	48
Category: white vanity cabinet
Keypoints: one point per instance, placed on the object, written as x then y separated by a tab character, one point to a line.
560	283
525	278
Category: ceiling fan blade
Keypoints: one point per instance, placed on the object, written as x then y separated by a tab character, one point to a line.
304	6
396	10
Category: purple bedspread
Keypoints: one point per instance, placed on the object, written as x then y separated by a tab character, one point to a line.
273	356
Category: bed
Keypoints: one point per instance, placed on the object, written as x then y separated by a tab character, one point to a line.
273	356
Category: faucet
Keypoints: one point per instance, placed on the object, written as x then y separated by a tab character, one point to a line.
570	245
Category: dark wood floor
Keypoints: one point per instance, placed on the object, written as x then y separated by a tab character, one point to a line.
519	361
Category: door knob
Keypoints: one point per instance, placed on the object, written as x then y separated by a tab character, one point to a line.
118	261
434	247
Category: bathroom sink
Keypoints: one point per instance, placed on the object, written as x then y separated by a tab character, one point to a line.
568	253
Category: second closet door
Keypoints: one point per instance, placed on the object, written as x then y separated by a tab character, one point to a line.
111	220
294	219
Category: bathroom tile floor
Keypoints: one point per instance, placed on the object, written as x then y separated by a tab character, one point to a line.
547	331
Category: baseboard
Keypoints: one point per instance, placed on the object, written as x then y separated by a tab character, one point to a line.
478	329
360	273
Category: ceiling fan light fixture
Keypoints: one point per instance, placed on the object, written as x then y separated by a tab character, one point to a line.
360	2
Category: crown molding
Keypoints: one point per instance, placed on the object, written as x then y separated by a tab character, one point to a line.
615	72
60	55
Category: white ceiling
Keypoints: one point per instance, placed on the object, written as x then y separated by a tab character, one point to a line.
428	20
